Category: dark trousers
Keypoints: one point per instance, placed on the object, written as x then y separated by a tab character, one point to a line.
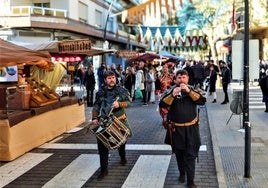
144	96
225	90
199	81
90	94
186	163
104	155
148	93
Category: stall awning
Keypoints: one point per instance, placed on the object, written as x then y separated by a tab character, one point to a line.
69	49
12	54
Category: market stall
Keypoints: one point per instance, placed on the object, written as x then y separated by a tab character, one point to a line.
31	112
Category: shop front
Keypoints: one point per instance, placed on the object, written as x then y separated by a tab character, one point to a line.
31	112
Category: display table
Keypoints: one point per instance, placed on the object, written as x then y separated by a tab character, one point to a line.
32	132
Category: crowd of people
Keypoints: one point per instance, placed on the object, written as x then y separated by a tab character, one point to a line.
146	82
179	89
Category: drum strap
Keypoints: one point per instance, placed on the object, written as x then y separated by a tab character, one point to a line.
123	116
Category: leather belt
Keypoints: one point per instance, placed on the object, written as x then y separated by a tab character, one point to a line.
123	116
193	122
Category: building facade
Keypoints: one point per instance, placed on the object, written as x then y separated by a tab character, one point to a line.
36	21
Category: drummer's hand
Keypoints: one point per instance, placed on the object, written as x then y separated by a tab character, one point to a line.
115	104
95	121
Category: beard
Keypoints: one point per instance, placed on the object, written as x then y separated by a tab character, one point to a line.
111	84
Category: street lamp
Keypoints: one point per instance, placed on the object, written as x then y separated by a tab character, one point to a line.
246	123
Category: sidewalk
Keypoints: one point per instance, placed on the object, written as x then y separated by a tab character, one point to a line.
229	144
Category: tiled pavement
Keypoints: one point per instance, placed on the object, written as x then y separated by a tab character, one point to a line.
146	125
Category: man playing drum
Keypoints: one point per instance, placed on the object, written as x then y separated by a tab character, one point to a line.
110	99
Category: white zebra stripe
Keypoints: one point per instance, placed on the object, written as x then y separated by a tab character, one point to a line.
12	170
149	171
76	173
159	147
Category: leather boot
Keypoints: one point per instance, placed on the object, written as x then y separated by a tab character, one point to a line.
191	184
102	175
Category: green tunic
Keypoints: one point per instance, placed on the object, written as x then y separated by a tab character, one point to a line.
104	100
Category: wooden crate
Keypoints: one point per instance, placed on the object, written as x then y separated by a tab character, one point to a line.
18	97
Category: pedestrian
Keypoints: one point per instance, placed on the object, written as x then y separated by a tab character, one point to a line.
100	73
81	75
129	80
140	83
150	85
111	98
89	82
226	79
264	89
116	72
212	78
182	122
262	69
190	71
165	79
199	75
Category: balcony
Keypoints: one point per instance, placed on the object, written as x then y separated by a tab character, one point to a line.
30	10
57	19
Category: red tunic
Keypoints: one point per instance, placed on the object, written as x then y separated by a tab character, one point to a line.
166	81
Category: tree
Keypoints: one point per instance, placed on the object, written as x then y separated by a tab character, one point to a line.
214	18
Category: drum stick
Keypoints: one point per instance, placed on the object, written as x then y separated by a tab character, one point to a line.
113	108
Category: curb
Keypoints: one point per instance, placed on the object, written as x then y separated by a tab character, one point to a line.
216	153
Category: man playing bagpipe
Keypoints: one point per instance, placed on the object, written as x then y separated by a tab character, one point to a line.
182	123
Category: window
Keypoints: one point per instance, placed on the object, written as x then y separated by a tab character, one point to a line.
110	24
83	12
45	5
98	18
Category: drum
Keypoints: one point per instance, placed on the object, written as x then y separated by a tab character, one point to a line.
112	132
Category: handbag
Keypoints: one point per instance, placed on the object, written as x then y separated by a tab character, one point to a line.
138	94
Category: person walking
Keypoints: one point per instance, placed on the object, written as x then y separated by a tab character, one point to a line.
264	89
129	80
140	83
212	78
116	72
111	98
100	73
226	79
182	122
89	82
165	79
199	75
150	85
81	75
190	71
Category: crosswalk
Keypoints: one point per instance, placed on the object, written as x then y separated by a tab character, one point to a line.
82	168
76	173
16	168
255	99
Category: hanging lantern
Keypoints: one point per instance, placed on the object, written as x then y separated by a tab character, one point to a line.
72	59
53	59
59	59
77	58
66	59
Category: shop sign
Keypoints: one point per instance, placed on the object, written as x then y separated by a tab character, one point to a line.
126	53
75	46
